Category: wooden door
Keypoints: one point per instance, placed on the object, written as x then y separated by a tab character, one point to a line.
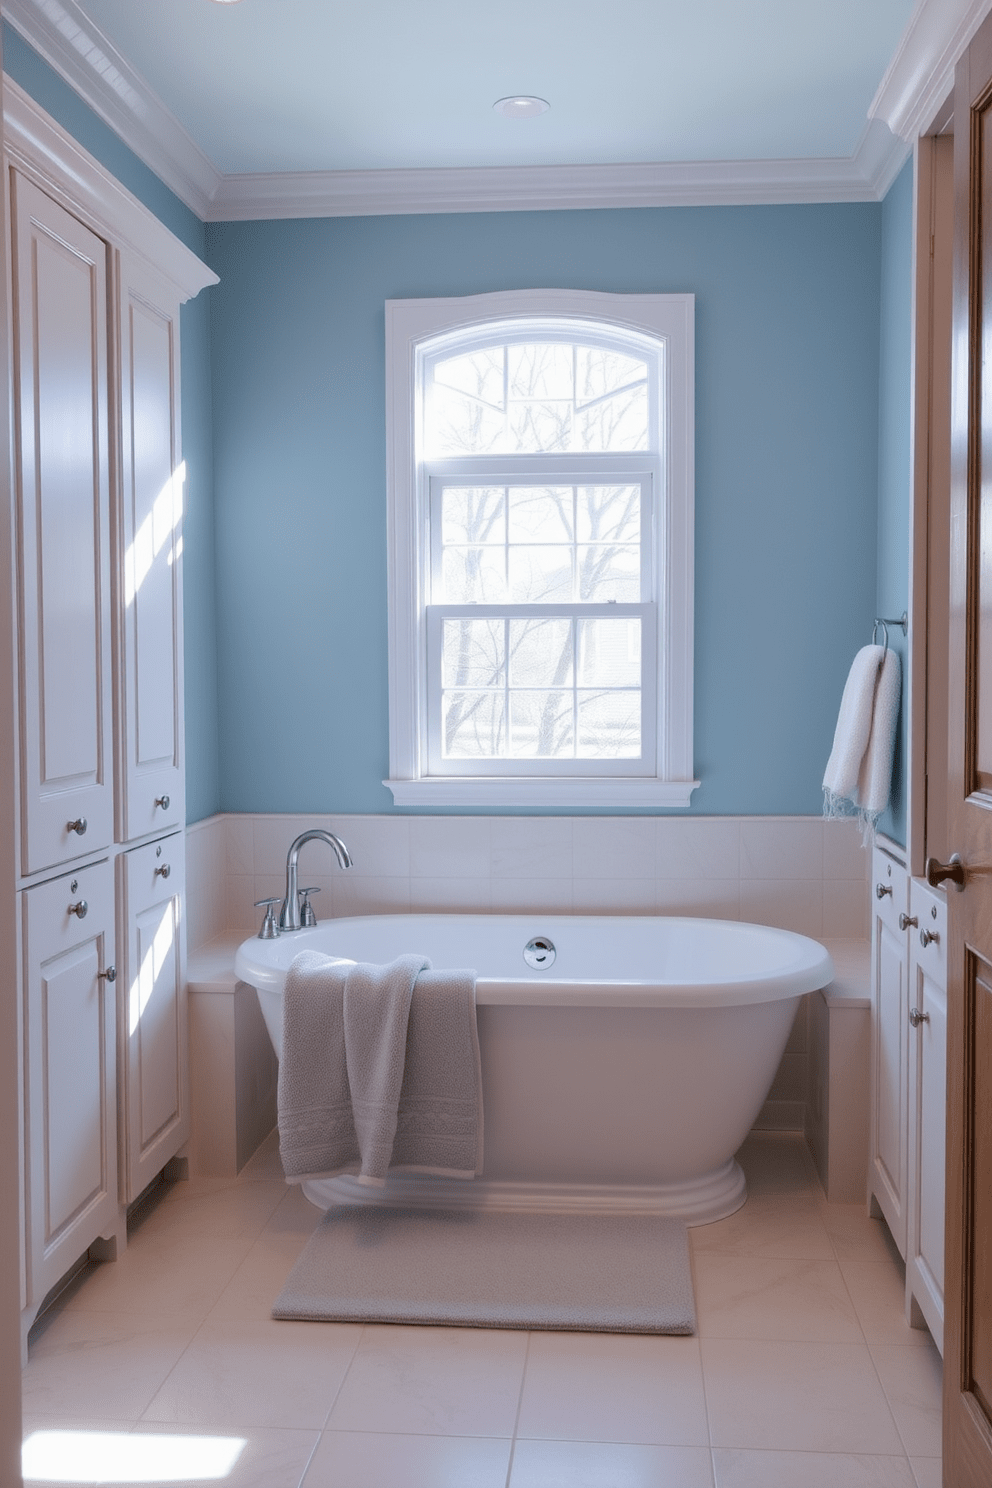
61	427
968	1254
154	1039
149	598
71	1116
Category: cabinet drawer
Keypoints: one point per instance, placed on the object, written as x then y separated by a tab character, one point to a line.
889	890
929	935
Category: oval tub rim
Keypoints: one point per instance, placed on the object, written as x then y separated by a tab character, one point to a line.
809	974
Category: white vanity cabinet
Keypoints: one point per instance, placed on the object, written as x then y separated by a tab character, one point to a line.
61	435
99	487
154	1063
71	1077
888	1167
927	1071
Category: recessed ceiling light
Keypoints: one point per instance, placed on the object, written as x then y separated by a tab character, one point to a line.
521	106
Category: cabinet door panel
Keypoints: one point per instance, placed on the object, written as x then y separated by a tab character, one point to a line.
71	1127
890	975
151	529
156	1103
62	450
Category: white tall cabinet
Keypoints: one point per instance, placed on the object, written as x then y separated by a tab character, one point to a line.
98	489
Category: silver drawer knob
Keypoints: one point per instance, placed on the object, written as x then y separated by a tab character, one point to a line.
916	1017
162	869
926	936
78	826
163	801
80	909
110	975
881	890
906	920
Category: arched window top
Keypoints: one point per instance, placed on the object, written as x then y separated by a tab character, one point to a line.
542	388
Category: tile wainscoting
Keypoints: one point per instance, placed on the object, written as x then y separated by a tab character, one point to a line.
800	873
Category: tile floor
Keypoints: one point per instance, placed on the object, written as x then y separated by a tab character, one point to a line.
803	1374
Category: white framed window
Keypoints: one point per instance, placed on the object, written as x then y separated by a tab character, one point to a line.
540	488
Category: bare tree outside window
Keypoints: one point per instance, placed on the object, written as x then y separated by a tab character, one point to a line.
540	686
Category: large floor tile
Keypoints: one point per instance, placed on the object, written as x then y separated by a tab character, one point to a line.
610	1387
764	1297
857	1236
878	1291
912	1379
106	1366
564	1464
806	1397
261	1276
238	1210
433	1381
809	1470
928	1472
173	1275
356	1459
768	1225
258	1374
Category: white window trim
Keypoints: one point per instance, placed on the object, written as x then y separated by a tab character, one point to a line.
410	323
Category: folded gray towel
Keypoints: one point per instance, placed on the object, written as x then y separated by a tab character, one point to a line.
379	1069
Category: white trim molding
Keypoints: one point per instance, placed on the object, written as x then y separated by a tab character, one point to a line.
921	74
917	80
61	33
44	151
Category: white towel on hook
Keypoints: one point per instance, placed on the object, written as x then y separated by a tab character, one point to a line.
858	776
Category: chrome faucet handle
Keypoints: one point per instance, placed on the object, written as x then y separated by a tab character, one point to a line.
270	929
307	917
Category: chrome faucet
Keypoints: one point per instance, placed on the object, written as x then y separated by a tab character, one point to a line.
289	915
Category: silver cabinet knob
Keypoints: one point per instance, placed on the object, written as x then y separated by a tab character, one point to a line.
950	872
881	890
162	869
906	920
110	975
926	936
80	909
916	1017
164	802
78	826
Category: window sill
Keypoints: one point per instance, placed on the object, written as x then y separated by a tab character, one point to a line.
576	791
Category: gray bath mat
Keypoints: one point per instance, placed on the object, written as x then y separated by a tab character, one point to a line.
598	1273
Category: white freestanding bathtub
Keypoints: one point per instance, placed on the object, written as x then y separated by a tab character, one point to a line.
622	1072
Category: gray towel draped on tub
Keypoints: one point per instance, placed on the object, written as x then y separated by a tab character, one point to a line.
379	1069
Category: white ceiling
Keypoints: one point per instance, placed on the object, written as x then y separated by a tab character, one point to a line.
315	85
770	99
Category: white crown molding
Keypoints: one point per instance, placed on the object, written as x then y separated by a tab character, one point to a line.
538	188
921	74
83	57
61	33
44	151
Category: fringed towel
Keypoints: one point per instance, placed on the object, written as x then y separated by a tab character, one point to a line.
859	771
379	1069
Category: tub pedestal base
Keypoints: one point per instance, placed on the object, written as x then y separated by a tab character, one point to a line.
696	1200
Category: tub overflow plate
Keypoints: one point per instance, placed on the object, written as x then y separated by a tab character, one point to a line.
540	952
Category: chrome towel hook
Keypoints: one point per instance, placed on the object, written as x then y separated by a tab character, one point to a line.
902	622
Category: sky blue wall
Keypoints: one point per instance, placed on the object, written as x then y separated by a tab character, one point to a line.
895	449
787	452
48	89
